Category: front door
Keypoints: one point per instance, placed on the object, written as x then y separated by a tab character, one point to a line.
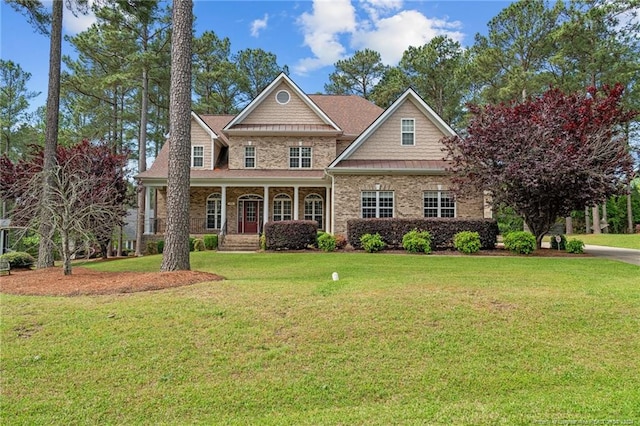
250	216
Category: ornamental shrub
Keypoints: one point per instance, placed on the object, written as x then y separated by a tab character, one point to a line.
326	242
467	242
520	242
210	241
341	241
372	243
417	241
198	244
19	259
575	246
160	246
152	247
563	242
290	234
192	242
263	241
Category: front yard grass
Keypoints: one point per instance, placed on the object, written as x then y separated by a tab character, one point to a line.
399	339
631	241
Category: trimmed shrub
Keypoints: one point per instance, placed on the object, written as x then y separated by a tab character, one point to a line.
442	230
417	241
198	245
263	241
152	247
341	241
192	242
372	243
575	246
326	242
563	242
467	242
19	259
290	234
211	241
160	246
520	242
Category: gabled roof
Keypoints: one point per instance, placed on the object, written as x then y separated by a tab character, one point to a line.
217	123
267	92
204	126
351	112
408	96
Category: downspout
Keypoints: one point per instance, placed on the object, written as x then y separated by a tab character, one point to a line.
333	204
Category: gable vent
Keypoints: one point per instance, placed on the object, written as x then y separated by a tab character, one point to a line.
283	97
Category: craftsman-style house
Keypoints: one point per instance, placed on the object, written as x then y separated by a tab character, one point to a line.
328	158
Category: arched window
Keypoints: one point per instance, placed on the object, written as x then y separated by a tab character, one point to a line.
313	209
282	207
214	211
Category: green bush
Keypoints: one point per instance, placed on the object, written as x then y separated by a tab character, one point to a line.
372	243
29	244
520	242
575	246
263	241
211	241
160	246
198	245
467	242
152	247
417	241
563	242
18	259
326	242
192	242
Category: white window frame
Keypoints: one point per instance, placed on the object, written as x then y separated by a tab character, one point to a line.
194	156
282	207
315	202
216	213
441	196
250	157
296	158
375	208
411	132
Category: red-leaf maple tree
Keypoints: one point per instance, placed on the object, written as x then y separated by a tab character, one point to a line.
88	190
547	156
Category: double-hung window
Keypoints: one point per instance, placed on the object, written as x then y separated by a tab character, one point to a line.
408	132
300	157
313	209
377	204
197	156
249	157
282	207
439	204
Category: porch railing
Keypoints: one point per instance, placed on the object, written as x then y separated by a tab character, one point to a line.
197	225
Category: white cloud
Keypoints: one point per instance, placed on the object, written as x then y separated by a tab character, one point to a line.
381	26
259	25
76	24
322	29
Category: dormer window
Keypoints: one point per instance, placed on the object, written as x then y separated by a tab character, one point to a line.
197	156
408	128
283	97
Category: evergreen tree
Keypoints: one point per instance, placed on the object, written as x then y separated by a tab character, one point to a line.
357	75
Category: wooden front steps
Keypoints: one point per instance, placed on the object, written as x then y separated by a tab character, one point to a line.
240	242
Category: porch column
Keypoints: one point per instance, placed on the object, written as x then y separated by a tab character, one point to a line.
223	206
327	203
265	206
148	216
296	200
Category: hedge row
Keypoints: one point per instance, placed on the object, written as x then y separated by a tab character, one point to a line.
290	234
442	230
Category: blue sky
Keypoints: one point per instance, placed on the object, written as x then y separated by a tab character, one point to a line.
308	36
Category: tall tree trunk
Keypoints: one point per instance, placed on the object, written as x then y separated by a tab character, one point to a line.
568	225
604	218
45	249
629	210
587	221
596	219
142	155
176	249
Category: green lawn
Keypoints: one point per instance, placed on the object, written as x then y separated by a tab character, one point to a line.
399	339
631	241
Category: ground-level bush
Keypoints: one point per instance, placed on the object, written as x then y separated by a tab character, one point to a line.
341	241
575	246
372	243
417	241
467	242
520	242
198	245
442	230
563	242
326	242
18	259
160	246
211	241
290	234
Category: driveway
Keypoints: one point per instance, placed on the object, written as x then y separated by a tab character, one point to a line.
614	253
